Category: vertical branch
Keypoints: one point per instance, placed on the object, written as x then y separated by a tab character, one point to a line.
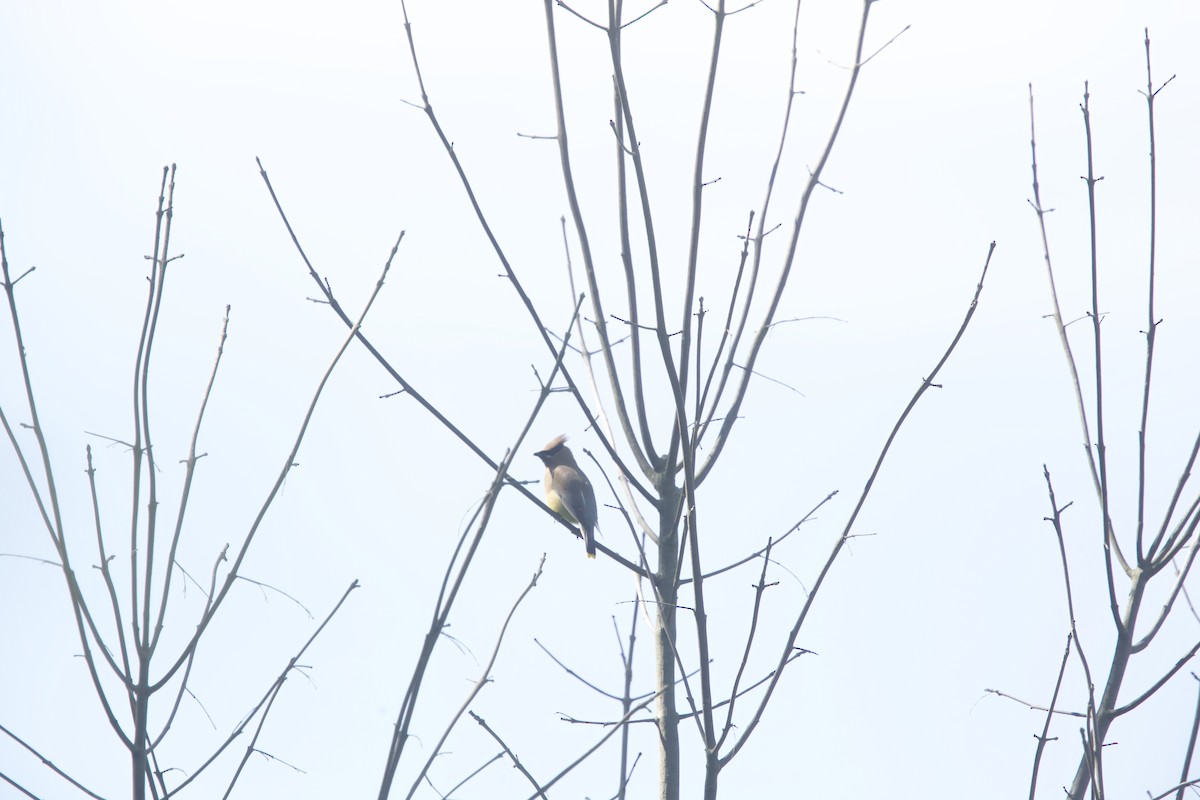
564	156
1101	457
752	283
142	633
703	420
185	494
1086	742
712	763
1045	735
118	621
585	353
189	474
635	154
615	8
1059	325
814	180
685	338
55	528
1056	521
626	696
1151	321
161	259
137	449
697	398
1191	745
759	589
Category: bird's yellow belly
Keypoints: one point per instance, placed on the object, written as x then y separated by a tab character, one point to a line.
556	505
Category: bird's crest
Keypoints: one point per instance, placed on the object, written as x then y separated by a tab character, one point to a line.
553	445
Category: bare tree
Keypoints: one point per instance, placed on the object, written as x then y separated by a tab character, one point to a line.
1146	551
662	401
139	684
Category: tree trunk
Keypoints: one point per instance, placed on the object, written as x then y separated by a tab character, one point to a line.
665	580
1122	652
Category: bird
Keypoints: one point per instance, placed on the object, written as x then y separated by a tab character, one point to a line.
568	491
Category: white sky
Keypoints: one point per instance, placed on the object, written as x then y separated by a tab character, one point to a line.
958	589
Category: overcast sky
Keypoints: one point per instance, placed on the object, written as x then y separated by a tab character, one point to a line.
954	586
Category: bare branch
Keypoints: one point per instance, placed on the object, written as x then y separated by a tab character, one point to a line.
1045	735
50	764
760	335
1081	409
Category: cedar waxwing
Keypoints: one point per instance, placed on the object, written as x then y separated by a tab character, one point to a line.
568	491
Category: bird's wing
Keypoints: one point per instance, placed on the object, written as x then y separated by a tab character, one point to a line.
578	497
